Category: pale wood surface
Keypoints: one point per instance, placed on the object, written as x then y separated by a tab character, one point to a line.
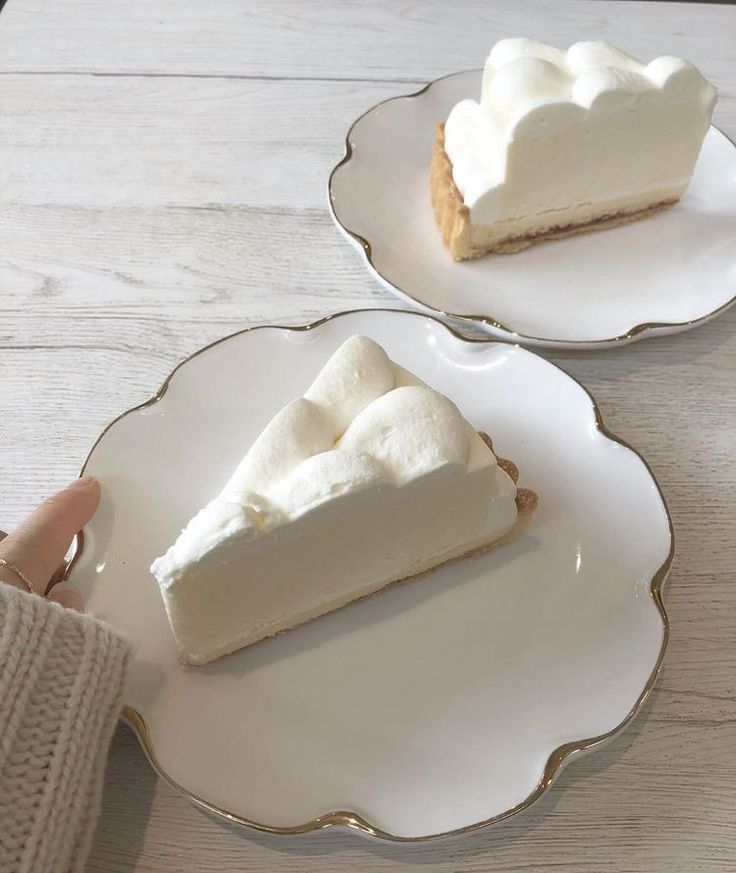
162	175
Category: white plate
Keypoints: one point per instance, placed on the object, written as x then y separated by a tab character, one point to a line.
434	707
661	275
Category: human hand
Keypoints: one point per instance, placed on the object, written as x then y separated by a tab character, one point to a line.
32	556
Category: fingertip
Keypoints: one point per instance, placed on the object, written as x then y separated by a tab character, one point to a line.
87	488
84	482
80	500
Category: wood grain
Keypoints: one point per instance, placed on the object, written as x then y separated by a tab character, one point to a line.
163	166
382	39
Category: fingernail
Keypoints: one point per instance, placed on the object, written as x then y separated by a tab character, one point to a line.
84	482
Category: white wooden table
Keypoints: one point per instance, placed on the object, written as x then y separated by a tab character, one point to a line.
163	166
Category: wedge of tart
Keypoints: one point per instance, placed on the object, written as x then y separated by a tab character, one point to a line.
565	142
370	478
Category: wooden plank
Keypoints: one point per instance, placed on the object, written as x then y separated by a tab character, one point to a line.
123	142
377	40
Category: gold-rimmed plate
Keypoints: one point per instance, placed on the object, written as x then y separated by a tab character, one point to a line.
664	274
440	706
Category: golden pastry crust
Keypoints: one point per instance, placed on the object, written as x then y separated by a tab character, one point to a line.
526	500
466	240
450	213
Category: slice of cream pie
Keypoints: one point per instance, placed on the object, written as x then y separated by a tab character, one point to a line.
565	142
369	478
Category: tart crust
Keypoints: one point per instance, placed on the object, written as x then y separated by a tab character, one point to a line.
466	240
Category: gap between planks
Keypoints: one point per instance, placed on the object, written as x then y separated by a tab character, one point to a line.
238	77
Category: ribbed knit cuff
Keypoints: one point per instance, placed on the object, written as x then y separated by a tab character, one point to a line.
61	685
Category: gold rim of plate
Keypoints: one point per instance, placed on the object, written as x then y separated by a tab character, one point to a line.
346	818
488	319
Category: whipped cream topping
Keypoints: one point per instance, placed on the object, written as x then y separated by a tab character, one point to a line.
364	422
554	128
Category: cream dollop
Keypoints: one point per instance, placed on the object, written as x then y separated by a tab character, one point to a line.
299	431
357	374
411	431
325	476
527	80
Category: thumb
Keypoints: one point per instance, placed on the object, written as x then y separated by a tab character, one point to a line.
38	545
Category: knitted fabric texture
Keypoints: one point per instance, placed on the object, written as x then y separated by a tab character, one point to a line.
61	687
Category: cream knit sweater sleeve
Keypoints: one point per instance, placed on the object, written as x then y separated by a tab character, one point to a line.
61	686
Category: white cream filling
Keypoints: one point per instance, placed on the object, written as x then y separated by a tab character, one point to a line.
339	550
556	130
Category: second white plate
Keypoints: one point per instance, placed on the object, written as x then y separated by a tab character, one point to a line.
438	706
664	274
